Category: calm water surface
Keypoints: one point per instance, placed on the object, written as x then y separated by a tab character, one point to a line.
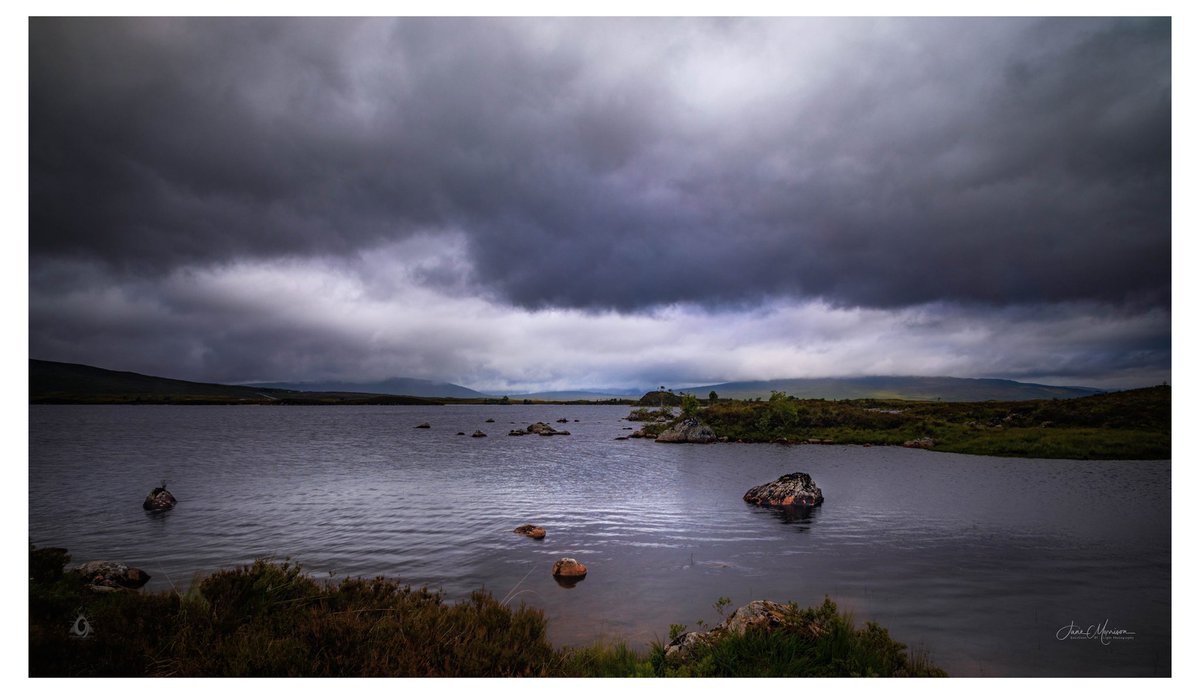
981	561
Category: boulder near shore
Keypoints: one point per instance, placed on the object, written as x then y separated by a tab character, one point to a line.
689	430
760	614
796	489
110	575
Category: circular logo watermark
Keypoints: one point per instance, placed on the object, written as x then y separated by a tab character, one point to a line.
81	628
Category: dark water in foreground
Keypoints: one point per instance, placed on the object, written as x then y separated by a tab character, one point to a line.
981	561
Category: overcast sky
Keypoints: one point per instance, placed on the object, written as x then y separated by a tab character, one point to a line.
543	204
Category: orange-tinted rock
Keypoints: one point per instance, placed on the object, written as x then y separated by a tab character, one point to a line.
530	530
796	489
569	568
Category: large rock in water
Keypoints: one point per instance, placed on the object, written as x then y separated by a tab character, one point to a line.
159	500
689	430
796	489
112	574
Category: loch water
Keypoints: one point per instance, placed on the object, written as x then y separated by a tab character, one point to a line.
983	562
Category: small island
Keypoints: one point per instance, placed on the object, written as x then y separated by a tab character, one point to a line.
1126	425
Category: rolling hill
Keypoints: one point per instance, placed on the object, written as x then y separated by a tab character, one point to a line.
53	382
928	388
415	387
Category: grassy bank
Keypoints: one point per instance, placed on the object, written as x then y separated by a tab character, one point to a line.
1128	425
271	619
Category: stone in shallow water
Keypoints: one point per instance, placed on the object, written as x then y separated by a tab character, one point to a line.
796	489
159	500
531	530
569	568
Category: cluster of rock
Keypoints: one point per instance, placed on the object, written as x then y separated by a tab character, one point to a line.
539	428
760	614
111	575
795	489
924	442
159	500
566	571
689	430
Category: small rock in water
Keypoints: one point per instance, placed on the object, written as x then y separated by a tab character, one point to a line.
159	500
531	530
796	489
422	425
461	433
569	568
489	420
478	434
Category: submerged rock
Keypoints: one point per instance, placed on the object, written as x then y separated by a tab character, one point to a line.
530	530
159	500
796	489
689	430
517	432
112	574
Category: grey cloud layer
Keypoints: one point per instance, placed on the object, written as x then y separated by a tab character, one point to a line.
623	164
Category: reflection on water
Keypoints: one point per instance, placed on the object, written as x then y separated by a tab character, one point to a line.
980	560
799	516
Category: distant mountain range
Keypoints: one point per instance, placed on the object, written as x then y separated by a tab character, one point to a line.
415	387
54	382
894	387
60	382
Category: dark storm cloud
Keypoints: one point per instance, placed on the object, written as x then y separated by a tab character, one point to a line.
622	164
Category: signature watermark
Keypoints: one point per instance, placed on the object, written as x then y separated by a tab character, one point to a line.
1101	632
